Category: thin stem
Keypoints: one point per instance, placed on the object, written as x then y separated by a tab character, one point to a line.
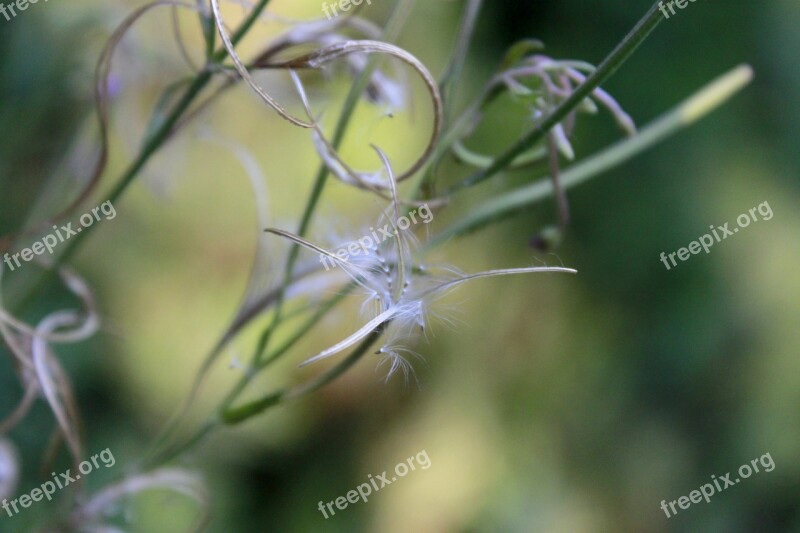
155	141
170	454
562	205
390	33
683	115
614	60
163	133
393	27
240	414
453	71
323	310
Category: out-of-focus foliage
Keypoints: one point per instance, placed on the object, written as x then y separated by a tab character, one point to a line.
574	404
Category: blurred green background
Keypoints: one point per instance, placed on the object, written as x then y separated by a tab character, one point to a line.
555	403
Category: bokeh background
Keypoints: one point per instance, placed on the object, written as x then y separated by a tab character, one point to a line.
554	403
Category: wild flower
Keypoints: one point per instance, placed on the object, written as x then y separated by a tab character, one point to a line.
542	85
398	291
399	295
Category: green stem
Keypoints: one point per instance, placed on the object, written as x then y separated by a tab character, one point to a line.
163	133
172	453
393	27
390	33
452	73
151	147
155	141
610	65
240	414
397	18
323	310
683	115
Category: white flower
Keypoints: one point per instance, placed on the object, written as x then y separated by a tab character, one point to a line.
398	292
